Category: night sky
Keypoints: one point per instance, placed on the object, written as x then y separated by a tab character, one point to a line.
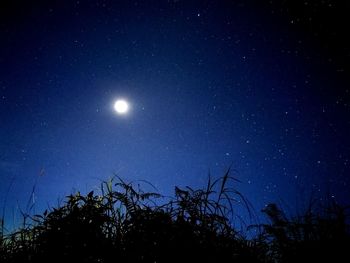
261	86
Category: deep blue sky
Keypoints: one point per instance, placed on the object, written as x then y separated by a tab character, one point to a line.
211	83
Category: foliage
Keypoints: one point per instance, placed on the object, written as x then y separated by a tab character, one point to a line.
321	234
123	223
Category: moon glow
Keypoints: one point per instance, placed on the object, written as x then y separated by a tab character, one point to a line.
121	106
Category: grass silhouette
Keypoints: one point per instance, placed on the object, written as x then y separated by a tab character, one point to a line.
122	223
321	234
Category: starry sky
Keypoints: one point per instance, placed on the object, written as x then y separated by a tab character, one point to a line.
261	86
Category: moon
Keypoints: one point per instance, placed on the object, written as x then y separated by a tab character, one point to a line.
121	106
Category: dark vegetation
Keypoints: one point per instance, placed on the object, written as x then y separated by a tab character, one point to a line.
122	223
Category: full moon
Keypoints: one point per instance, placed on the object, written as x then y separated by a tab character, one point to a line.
121	106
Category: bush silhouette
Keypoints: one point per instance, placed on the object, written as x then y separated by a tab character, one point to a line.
318	236
123	223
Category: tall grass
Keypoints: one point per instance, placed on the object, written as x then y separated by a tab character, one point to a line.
320	234
123	223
